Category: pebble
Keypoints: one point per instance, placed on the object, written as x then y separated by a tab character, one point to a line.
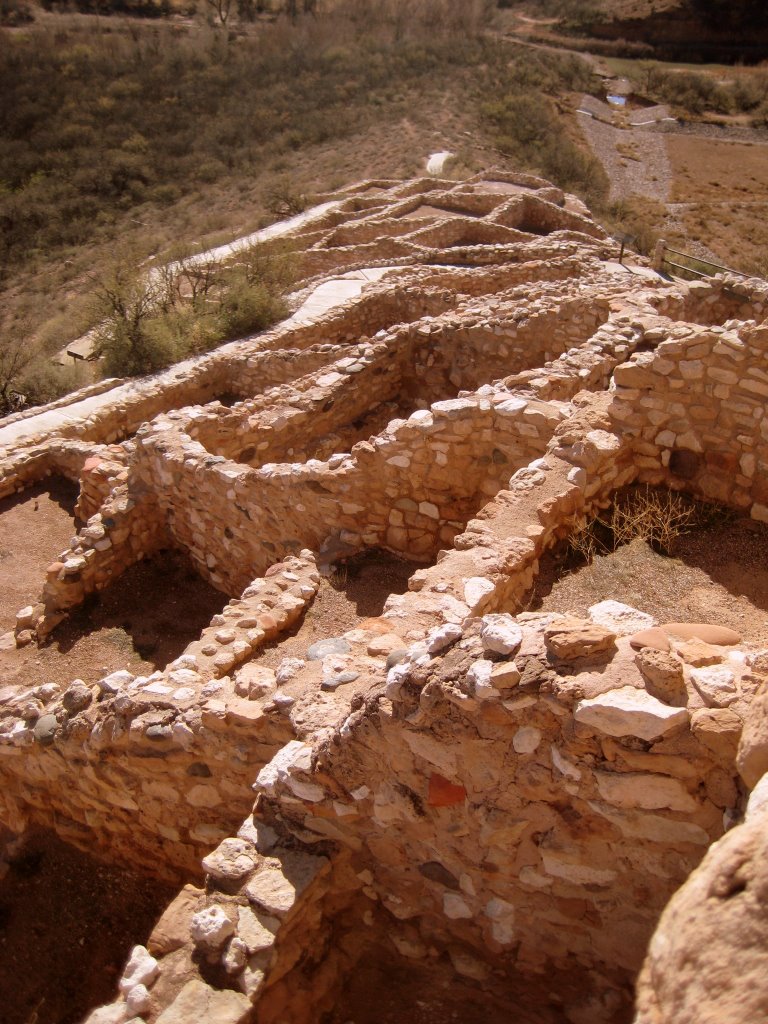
326	648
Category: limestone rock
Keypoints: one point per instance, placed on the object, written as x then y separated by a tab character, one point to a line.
326	648
706	960
172	930
573	639
716	684
137	1001
141	969
663	675
500	634
76	697
752	758
629	712
276	886
255	681
719	730
211	927
256	931
697	653
198	1003
645	791
231	861
112	1014
621	619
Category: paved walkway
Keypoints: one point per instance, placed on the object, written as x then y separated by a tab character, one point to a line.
325	297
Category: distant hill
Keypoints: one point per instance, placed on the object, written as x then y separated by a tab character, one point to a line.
726	31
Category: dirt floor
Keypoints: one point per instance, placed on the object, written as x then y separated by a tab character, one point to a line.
35	527
385	989
357	591
717	574
144	620
67	925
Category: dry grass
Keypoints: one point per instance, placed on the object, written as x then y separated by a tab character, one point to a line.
726	185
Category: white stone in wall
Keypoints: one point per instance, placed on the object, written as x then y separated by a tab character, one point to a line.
199	1002
141	969
500	634
443	636
628	711
716	684
479	680
455	907
211	927
570	870
563	765
621	619
294	755
476	590
526	740
111	684
645	791
137	1001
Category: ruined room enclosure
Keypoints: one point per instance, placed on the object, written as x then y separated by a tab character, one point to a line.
710	566
243	489
357	398
145	619
67	925
35	525
353	589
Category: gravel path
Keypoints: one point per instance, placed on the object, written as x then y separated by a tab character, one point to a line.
635	160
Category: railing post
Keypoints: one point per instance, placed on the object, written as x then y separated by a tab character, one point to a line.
658	255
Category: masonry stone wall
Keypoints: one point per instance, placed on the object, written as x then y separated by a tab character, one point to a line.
455	780
695	408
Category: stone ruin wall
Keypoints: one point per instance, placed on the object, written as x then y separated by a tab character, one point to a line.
518	793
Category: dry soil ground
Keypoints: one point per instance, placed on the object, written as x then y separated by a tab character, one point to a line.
386	990
143	621
358	590
67	925
717	574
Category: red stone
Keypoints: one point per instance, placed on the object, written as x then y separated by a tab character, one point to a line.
275	570
443	793
91	463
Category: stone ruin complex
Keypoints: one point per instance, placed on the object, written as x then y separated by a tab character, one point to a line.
457	781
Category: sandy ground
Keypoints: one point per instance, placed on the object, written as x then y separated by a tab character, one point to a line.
384	989
35	527
143	621
718	574
67	925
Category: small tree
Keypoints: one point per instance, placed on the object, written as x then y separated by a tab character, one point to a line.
127	305
16	356
221	9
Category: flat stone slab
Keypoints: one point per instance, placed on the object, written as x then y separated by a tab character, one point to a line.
628	711
198	1003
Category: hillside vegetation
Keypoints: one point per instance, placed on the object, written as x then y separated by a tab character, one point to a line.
107	124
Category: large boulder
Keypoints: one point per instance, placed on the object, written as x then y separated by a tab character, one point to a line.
706	960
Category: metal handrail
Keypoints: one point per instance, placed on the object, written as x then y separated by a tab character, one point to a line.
698	259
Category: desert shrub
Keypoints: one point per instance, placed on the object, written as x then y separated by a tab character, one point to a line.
653	515
526	126
638	217
146	321
15	12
